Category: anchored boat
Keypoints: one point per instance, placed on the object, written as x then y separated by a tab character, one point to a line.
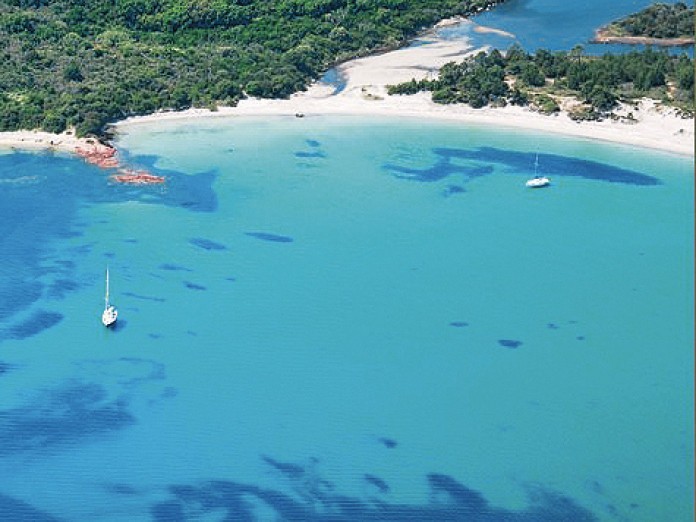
537	181
110	313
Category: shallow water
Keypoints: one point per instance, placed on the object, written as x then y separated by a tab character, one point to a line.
348	318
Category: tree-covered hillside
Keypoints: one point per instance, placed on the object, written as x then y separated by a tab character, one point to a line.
84	63
657	21
544	79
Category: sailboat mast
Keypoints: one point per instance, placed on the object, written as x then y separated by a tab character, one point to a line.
106	297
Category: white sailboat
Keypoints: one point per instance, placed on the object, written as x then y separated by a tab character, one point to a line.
537	181
110	313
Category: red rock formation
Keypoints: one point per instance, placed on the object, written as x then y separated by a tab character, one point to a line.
105	157
99	155
137	177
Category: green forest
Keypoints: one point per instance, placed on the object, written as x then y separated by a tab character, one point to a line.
657	21
85	63
543	78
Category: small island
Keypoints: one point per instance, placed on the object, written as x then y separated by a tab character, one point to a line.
658	24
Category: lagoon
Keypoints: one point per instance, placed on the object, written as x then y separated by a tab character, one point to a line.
555	25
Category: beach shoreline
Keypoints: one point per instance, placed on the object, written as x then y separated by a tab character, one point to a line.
65	142
655	128
646	124
605	36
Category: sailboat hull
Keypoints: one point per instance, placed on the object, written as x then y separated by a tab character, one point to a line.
109	316
538	182
110	313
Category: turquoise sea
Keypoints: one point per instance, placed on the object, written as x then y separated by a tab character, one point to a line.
335	318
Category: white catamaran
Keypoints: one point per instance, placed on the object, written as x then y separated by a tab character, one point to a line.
110	313
537	181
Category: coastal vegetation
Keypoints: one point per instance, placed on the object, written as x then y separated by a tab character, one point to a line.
547	80
656	21
83	64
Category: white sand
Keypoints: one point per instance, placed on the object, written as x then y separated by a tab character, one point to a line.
40	140
366	93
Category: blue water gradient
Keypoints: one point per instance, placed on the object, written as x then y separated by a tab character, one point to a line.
38	321
510	343
62	416
270	237
207	244
344	343
13	509
452	501
480	163
556	25
41	195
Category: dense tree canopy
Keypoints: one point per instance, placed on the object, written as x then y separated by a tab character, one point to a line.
84	63
519	78
657	21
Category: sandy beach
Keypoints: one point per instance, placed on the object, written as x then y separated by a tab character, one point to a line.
365	93
40	140
605	36
653	126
